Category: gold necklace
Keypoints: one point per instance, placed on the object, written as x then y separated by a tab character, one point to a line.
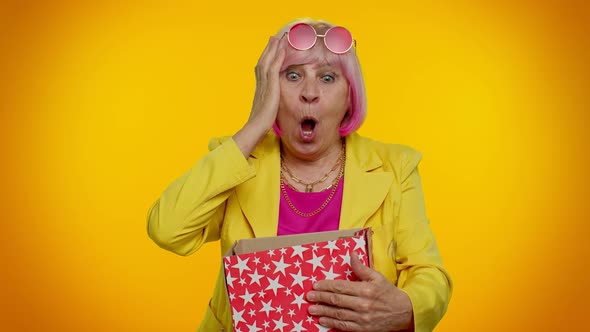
309	185
324	204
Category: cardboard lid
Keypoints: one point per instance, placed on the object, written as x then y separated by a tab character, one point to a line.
246	246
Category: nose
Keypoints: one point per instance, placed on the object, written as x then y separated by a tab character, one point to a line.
309	93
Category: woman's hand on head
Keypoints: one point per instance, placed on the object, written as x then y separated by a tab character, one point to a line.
266	98
371	304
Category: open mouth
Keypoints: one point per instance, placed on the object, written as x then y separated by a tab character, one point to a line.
308	125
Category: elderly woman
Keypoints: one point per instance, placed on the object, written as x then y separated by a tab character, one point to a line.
313	173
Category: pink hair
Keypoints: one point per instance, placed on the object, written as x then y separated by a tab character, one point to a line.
349	64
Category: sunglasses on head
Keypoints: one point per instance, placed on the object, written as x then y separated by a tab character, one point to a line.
303	36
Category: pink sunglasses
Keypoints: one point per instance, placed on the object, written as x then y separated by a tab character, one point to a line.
303	36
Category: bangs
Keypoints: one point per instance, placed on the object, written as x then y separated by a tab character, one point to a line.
317	54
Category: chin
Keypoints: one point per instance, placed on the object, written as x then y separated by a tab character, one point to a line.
307	149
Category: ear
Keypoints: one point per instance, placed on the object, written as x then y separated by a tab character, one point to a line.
346	118
276	129
348	113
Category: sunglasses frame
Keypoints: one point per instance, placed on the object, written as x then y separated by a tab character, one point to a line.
352	43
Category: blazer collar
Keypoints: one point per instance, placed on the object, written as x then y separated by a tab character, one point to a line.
259	196
365	185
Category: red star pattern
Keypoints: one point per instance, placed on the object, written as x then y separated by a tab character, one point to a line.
267	289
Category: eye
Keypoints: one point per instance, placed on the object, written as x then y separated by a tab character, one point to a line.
328	78
292	76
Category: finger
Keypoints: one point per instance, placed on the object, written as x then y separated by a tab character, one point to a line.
340	325
335	299
266	49
262	64
273	73
334	312
339	286
266	59
278	61
282	43
362	271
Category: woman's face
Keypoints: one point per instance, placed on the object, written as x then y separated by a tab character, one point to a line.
314	100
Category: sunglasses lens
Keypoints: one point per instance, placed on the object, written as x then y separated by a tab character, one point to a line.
302	36
338	40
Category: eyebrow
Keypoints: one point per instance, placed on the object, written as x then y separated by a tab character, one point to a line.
317	66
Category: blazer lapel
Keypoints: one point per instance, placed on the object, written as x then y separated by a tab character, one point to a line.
259	196
364	188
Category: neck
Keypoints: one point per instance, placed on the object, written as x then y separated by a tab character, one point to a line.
320	171
325	157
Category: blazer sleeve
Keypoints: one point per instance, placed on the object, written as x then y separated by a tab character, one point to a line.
421	274
190	211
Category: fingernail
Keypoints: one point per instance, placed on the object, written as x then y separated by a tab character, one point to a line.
311	296
313	309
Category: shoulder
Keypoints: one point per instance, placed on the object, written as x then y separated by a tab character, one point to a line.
399	158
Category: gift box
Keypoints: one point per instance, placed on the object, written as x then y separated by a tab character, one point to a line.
267	279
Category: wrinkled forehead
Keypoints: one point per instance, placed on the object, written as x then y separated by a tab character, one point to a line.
318	56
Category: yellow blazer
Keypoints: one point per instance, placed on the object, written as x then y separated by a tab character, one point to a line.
228	197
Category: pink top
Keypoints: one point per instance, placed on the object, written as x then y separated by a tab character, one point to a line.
327	220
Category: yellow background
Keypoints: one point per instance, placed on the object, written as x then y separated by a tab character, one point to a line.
102	105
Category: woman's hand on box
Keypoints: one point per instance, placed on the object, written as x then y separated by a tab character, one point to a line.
371	304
